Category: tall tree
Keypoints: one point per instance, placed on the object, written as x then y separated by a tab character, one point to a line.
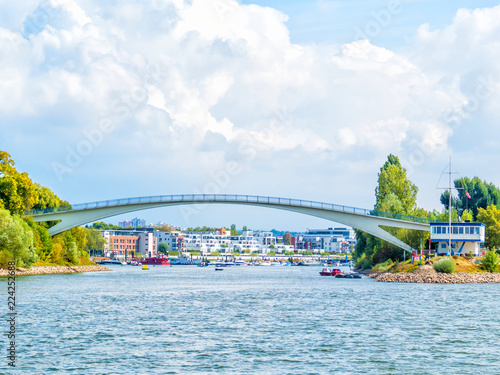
95	242
16	241
287	238
472	195
17	191
490	217
394	193
394	189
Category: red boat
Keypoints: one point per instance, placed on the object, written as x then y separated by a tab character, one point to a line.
156	261
327	272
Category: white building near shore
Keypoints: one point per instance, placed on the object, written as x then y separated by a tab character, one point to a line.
466	238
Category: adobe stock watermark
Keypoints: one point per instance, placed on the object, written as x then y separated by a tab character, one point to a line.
422	149
121	108
248	150
34	23
379	20
41	17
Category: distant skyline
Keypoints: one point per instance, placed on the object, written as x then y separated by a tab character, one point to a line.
294	99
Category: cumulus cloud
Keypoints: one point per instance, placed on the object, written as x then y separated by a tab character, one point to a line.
196	85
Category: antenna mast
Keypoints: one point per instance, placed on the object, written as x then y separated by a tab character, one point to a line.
449	188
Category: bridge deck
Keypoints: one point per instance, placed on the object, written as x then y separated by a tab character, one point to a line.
226	198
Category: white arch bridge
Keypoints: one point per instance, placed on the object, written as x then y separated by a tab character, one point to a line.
368	221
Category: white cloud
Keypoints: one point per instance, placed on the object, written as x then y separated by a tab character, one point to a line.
197	85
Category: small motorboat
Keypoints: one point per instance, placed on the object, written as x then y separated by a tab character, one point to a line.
325	272
219	268
340	276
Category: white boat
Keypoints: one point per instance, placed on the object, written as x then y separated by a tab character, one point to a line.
110	261
180	261
219	268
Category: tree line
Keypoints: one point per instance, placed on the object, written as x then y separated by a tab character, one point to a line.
26	242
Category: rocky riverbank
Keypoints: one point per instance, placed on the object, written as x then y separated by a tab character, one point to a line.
427	274
54	270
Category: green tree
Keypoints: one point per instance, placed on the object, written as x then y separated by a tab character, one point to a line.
287	238
163	248
490	217
467	215
394	193
16	241
393	183
95	242
482	194
17	192
234	232
490	261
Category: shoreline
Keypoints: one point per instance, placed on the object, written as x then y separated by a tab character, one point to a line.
439	278
54	270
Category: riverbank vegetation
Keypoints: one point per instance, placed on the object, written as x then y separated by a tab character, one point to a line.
396	194
477	201
454	264
28	243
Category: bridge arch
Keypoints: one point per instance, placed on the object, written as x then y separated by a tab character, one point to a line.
368	221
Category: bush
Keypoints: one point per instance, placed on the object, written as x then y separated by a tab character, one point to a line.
383	267
364	262
490	261
445	266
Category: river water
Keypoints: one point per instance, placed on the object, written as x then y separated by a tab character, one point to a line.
250	320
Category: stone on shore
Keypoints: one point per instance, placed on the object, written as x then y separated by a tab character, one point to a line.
54	270
427	274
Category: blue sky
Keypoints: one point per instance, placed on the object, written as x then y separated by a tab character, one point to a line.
336	22
103	100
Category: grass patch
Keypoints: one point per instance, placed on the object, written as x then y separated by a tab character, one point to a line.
383	267
462	264
407	266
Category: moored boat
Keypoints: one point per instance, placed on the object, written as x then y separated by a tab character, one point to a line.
110	261
325	272
156	261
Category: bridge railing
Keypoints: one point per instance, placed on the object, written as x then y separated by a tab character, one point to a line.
200	198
